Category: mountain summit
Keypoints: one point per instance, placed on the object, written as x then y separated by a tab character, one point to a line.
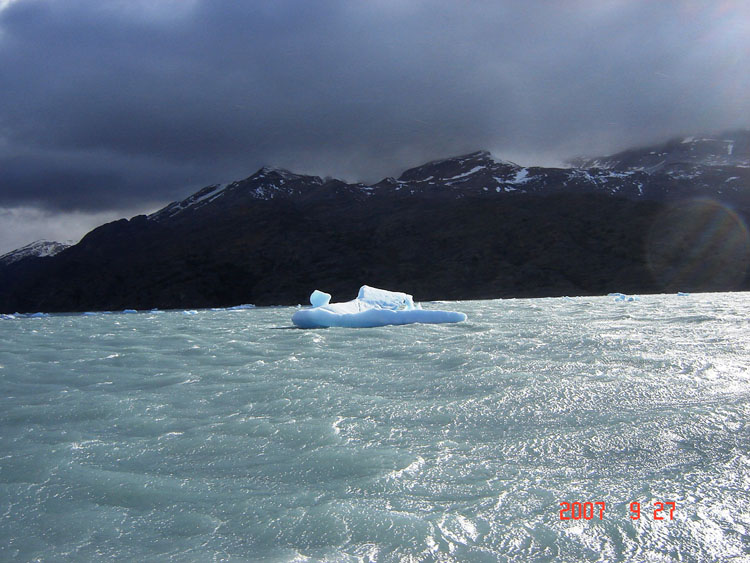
36	249
728	149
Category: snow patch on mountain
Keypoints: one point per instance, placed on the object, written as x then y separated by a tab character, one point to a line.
36	249
466	174
267	183
521	177
201	197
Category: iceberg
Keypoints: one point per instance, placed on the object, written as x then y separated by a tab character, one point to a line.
372	307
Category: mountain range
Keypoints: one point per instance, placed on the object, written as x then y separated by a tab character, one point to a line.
663	218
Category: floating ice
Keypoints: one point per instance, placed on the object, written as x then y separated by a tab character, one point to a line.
622	297
372	307
320	298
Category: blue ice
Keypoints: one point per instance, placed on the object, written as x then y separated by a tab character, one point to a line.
372	307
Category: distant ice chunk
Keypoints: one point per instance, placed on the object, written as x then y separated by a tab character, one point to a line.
621	297
372	307
130	311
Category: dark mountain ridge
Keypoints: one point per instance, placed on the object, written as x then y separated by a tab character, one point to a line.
457	228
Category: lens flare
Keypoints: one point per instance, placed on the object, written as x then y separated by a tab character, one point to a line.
698	245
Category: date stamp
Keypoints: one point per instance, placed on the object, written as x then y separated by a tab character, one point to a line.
591	510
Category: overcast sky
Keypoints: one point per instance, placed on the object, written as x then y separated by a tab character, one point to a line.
109	108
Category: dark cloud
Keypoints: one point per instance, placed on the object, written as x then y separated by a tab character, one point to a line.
109	105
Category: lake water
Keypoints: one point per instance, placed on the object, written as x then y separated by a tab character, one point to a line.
227	435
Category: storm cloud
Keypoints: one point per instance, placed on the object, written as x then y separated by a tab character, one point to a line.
131	104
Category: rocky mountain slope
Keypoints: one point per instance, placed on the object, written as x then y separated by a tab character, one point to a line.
663	218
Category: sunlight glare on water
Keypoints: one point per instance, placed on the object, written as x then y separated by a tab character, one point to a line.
229	435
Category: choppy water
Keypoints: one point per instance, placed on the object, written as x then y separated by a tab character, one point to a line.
223	435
